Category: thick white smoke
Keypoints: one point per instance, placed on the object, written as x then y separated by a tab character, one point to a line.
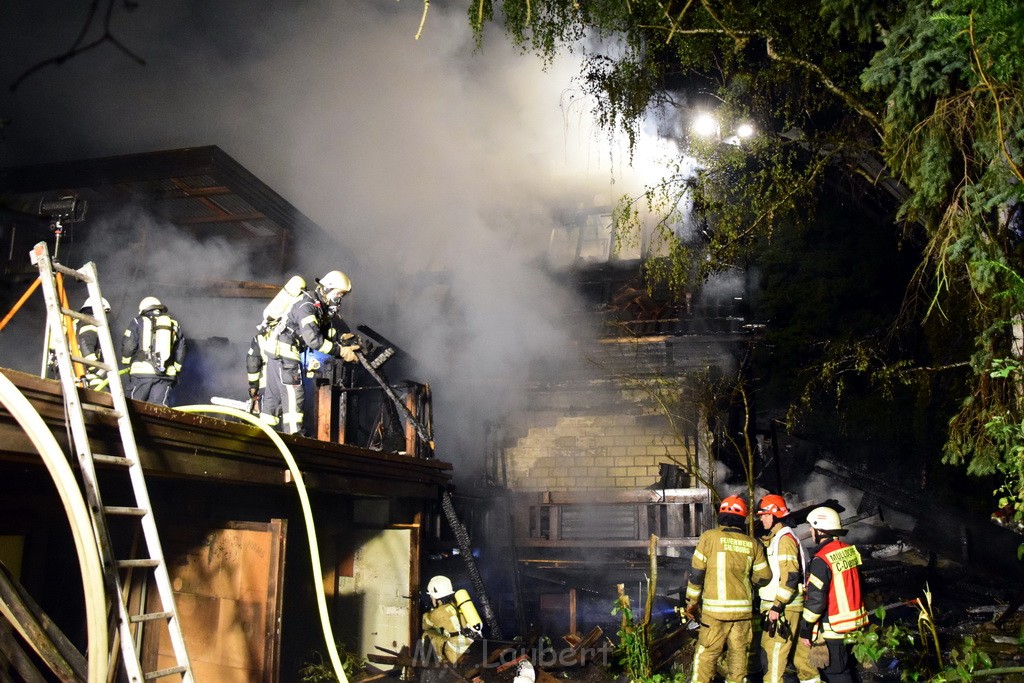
428	161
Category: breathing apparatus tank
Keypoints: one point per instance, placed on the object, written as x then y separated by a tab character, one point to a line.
283	300
467	611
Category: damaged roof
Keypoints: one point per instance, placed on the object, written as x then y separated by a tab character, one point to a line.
201	190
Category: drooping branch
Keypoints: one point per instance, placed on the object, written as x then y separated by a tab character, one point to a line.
78	47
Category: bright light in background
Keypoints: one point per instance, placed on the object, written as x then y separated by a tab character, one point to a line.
705	125
745	130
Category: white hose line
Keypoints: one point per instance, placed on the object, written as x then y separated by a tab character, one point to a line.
81	524
307	513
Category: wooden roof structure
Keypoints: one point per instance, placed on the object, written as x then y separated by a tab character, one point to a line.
202	190
173	443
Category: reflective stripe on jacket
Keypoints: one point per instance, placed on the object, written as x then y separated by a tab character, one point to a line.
153	345
727	563
786	560
834	599
304	326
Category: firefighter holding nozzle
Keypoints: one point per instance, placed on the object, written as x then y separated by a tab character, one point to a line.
453	623
296	320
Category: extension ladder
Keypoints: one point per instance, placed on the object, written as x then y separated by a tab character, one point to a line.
140	512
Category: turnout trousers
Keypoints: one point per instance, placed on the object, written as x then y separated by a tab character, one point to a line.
149	388
716	636
776	653
284	396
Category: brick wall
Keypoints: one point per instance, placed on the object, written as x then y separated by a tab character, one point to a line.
594	452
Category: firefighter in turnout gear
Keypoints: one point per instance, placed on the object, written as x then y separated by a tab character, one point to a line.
782	600
153	349
833	605
89	343
453	624
310	323
727	564
255	369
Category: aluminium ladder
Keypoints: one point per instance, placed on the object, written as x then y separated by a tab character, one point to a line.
150	555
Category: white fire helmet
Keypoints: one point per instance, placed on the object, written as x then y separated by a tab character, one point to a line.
440	587
334	286
148	303
825	519
90	303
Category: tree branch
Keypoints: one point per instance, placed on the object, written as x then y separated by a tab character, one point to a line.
77	48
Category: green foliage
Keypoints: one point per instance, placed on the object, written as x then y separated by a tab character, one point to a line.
918	652
322	672
634	649
923	101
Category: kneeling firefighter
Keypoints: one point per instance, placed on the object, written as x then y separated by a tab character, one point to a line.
453	622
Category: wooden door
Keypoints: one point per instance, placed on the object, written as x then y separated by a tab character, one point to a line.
228	584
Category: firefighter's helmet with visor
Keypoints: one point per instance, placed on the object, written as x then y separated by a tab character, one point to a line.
825	519
733	505
149	303
333	286
90	303
440	587
774	505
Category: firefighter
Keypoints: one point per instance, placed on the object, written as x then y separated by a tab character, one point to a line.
153	349
833	605
89	343
311	322
727	564
256	368
782	600
452	624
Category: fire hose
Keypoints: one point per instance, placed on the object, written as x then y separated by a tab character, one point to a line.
461	534
307	513
81	527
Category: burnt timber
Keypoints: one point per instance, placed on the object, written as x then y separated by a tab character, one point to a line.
174	444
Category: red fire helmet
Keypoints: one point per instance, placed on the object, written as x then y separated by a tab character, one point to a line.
733	505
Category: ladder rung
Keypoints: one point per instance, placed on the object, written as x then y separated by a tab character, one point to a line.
137	564
160	673
94	363
78	315
151	616
102	410
111	459
70	272
124	510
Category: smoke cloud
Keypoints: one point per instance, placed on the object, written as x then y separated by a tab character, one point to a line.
438	168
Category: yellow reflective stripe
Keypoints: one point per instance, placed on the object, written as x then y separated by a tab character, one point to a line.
809	616
815	581
141	367
308	320
760	566
698	555
777	664
692	591
720	574
326	346
716	602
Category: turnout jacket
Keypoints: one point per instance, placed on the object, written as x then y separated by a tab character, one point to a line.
786	560
153	345
833	601
256	361
727	563
306	325
89	348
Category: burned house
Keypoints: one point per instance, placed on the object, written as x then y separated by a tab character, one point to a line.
240	551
